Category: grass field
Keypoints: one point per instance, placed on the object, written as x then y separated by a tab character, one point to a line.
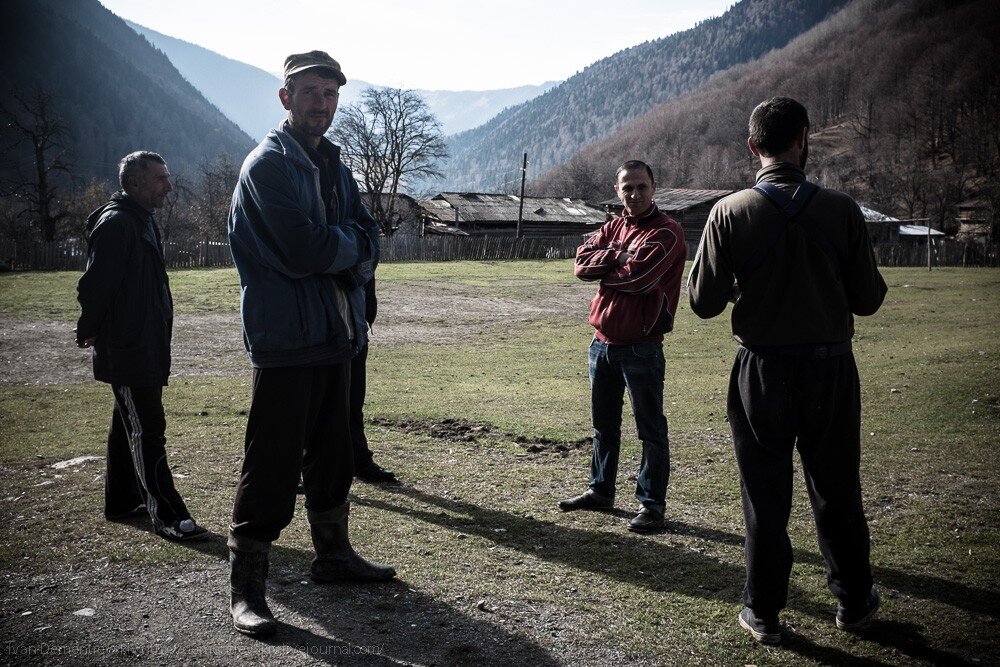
485	431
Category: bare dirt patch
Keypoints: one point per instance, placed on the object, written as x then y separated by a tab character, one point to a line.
43	352
461	430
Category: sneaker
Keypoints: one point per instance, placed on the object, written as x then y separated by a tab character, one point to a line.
766	630
588	500
858	619
182	531
134	513
373	473
647	521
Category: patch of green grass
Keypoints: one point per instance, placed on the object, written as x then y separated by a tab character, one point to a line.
476	519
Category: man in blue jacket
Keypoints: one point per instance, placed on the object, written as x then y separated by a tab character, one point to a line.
304	246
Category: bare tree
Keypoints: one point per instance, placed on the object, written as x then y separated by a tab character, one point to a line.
33	121
391	140
213	196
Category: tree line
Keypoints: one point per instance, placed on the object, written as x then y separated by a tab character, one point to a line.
904	100
389	138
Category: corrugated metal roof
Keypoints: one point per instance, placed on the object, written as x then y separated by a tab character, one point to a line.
679	199
871	215
488	207
917	230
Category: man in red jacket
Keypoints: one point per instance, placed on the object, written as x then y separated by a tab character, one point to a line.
638	259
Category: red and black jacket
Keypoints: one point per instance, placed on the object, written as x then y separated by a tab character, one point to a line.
635	302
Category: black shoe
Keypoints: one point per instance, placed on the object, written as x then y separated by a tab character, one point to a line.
647	521
861	618
182	531
588	500
134	513
373	473
766	630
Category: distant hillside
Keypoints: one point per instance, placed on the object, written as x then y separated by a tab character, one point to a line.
460	110
904	99
612	91
115	91
245	94
249	96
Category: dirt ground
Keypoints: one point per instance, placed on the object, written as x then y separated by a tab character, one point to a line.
117	613
42	352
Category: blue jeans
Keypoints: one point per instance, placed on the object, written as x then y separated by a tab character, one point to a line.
638	368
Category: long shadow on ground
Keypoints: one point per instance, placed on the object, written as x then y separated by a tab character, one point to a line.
384	623
660	567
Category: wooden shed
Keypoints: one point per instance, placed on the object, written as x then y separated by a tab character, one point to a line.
686	206
481	214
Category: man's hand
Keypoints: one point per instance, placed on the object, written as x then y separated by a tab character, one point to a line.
624	257
87	342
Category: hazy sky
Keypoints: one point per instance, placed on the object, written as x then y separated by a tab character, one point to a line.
429	44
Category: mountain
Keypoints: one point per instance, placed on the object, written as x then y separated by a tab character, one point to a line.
465	109
612	91
249	96
245	94
904	103
114	91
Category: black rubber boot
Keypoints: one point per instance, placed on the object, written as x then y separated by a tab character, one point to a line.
248	572
335	559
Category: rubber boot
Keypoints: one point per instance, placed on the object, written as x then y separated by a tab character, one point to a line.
248	572
335	559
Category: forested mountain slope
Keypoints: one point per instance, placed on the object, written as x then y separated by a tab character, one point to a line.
904	100
610	92
113	90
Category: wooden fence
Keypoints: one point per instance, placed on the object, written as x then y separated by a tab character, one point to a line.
71	255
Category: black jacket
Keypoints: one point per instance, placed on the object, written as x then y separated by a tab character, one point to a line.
124	296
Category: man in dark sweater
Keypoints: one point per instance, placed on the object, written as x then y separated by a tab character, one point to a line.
126	316
797	263
638	259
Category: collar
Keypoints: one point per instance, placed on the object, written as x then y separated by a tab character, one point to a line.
781	172
325	149
124	200
652	213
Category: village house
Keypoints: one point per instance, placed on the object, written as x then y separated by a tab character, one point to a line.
686	206
485	214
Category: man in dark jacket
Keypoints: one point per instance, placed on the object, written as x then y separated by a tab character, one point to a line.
365	467
304	246
638	259
796	261
126	316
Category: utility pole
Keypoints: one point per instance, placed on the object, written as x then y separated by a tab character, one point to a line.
520	209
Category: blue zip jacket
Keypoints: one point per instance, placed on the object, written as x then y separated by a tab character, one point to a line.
302	276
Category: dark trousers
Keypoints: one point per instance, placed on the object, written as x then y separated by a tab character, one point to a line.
359	376
138	473
298	423
776	404
639	369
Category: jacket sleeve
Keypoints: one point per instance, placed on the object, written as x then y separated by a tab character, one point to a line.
596	257
110	245
710	282
865	287
286	238
658	252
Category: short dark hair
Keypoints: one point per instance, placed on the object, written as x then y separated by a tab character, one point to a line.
135	162
290	80
631	165
776	123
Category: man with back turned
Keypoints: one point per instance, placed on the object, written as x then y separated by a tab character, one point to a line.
796	261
